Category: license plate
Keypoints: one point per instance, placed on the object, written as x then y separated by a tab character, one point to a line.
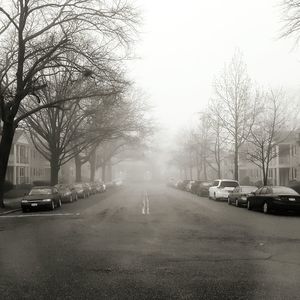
34	204
292	199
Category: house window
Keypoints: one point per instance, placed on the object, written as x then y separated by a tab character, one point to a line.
22	172
23	154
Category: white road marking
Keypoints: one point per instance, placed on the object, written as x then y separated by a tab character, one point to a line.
146	206
40	215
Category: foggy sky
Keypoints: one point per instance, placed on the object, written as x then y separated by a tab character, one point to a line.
184	44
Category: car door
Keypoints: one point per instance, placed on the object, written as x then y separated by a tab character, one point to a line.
254	199
261	197
269	194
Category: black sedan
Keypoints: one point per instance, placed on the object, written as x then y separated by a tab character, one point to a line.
41	196
240	195
271	198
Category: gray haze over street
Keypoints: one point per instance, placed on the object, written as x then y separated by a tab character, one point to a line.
147	241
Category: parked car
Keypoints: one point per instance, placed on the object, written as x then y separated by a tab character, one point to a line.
195	185
67	193
82	190
101	187
271	198
240	195
188	186
182	184
93	187
41	196
203	188
221	188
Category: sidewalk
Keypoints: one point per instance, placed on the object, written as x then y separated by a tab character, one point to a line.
11	205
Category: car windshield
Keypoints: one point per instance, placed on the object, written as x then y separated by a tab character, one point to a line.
283	190
248	189
40	192
229	184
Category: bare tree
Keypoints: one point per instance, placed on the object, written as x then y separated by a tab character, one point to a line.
272	127
124	124
291	18
38	34
60	132
234	105
215	141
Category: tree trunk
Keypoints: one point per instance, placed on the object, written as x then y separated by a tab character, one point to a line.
8	132
92	162
54	171
103	167
236	161
198	165
191	173
204	169
78	165
266	175
109	171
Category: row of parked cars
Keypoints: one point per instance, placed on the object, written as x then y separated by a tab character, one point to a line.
52	197
265	198
196	187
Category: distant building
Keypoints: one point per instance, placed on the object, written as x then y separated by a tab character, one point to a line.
26	164
285	167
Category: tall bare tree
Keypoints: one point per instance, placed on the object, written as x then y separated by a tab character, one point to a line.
60	132
234	105
291	18
36	35
272	127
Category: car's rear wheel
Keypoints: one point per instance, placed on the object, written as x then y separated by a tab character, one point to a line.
228	201
24	210
52	205
237	204
266	208
249	206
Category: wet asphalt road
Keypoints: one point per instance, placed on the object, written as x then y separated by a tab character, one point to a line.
149	242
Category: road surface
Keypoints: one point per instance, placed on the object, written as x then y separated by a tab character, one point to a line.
147	241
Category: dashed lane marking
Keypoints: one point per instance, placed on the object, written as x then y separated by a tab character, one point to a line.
40	215
146	205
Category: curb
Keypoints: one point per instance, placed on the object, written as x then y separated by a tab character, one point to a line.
9	211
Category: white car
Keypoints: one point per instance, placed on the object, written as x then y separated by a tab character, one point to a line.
221	189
